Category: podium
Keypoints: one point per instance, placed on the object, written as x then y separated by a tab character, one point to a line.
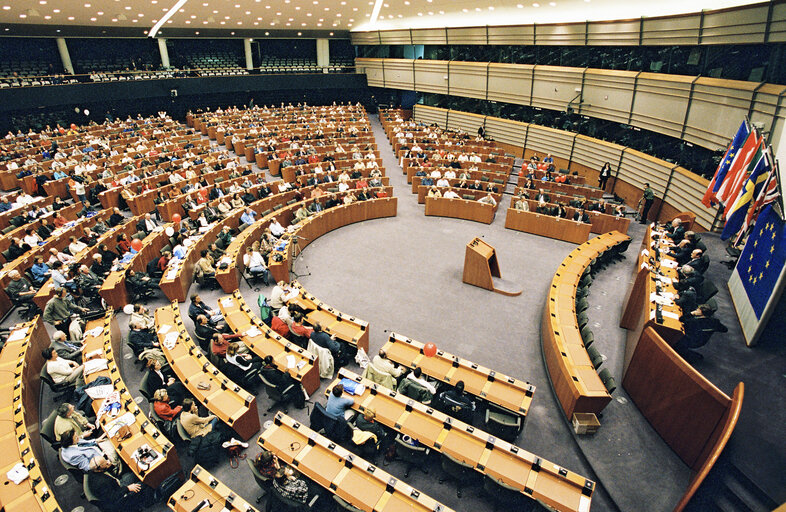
481	267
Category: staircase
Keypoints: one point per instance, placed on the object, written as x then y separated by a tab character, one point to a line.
727	489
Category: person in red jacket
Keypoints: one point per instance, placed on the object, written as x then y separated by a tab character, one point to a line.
162	408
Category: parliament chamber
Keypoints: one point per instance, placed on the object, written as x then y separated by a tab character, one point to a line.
232	245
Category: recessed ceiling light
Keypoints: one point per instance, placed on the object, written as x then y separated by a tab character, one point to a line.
70	18
197	32
553	4
56	11
87	5
267	33
47	17
42	2
300	33
536	4
93	19
6	7
100	13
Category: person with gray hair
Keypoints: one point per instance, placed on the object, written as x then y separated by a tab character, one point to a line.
65	348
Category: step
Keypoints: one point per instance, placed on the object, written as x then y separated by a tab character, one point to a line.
746	491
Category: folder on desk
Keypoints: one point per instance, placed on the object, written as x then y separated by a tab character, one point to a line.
95	365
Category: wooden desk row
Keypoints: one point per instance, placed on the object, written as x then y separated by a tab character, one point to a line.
263	341
20	441
349	329
599	222
548	226
290	173
639	310
507	392
484	169
576	384
563	188
535	477
423	190
68	213
114	291
265	156
103	340
228	401
326	221
460	209
333	467
202	486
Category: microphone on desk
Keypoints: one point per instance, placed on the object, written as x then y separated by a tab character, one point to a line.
199	506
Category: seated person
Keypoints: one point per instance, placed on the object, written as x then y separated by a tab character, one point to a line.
163	408
675	231
141	281
457	396
582	216
62	370
268	465
338	404
19	288
417	376
291	486
159	377
283	381
198	307
68	418
688	277
81	453
66	349
141	338
99	267
244	362
368	423
40	271
142	317
325	340
122	490
699	325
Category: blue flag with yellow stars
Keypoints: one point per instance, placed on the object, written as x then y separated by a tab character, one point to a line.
762	259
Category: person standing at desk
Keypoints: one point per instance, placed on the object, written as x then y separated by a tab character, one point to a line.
648	198
603	177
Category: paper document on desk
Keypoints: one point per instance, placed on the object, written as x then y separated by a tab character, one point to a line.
17	335
170	340
253	332
664	279
663	301
95	365
18	473
290	361
95	353
99	392
95	332
645	252
300	365
113	426
164	329
227	302
669	263
670	314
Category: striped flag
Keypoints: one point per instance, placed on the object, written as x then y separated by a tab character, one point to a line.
739	169
769	193
720	174
750	191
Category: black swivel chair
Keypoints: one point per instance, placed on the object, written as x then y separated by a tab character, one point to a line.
65	389
278	397
464	474
413	456
280	503
262	481
48	430
505	497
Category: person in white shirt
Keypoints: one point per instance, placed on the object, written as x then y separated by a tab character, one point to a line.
281	294
255	262
24	199
385	365
31	238
75	246
62	370
343	186
450	174
276	229
416	375
436	174
449	194
488	200
442	182
463	157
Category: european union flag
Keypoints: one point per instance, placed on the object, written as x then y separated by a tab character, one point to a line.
736	144
762	259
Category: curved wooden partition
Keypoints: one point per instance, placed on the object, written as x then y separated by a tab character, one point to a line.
314	227
229	402
20	441
460	209
573	378
694	417
263	341
103	340
346	328
545	225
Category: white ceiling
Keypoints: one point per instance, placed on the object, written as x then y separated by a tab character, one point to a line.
338	14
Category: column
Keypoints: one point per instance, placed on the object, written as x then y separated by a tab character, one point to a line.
249	56
164	52
64	56
323	53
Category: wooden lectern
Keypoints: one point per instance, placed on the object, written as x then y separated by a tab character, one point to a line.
481	266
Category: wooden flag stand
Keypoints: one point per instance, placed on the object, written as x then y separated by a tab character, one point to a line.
481	267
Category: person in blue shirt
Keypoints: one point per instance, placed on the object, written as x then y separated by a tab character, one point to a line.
58	175
40	271
5	205
248	216
78	452
337	404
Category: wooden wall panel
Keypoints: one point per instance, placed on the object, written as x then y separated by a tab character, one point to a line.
429	36
466	121
735	26
399	74
507	131
431	76
685	193
661	102
394	37
521	34
429	115
555	86
560	34
638	168
765	104
549	140
671	30
468	79
608	94
778	24
680	404
364	38
373	71
510	83
614	33
467	35
593	153
716	111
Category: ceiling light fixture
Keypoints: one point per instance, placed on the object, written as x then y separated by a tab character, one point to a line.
375	11
166	16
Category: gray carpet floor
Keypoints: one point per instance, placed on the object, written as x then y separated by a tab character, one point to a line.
403	275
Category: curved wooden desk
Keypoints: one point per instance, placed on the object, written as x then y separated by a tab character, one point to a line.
576	384
200	486
460	209
346	475
20	442
535	477
103	340
263	341
506	392
349	329
228	401
545	225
